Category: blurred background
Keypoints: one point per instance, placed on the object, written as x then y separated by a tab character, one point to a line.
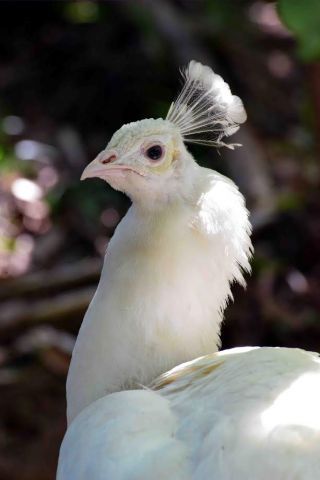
73	72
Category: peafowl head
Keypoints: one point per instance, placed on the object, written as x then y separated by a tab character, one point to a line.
148	158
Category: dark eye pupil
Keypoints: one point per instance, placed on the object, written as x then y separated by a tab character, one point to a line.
154	152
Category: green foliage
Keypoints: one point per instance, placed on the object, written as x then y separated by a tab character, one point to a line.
82	11
290	201
224	14
302	17
8	162
2	153
7	244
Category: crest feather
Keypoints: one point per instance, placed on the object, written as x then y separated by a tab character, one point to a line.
205	110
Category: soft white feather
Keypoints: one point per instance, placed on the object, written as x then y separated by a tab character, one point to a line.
236	415
205	110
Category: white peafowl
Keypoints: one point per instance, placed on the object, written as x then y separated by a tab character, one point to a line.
239	414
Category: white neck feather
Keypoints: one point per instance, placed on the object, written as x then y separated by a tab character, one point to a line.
163	289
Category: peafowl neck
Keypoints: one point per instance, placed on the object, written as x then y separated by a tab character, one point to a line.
163	289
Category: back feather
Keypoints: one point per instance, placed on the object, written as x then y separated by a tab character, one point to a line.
205	111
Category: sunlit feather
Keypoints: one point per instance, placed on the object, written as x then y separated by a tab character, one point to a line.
205	110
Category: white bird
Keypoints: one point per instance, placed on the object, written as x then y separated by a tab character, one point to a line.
239	414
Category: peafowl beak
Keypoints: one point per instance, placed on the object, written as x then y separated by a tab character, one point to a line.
107	165
98	166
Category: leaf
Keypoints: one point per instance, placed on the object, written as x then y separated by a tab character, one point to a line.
303	19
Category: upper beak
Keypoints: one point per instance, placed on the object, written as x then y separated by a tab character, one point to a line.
102	166
105	165
94	168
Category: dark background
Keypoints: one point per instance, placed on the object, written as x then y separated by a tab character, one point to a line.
71	73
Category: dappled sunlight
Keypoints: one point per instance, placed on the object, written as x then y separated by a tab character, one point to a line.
48	177
16	260
13	125
265	15
27	149
110	217
33	150
23	213
27	190
232	351
280	64
297	405
297	282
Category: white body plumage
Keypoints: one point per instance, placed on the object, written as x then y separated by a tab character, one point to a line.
235	415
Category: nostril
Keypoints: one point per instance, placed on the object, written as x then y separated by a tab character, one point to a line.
110	158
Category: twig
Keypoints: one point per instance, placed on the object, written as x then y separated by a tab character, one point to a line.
16	314
58	278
